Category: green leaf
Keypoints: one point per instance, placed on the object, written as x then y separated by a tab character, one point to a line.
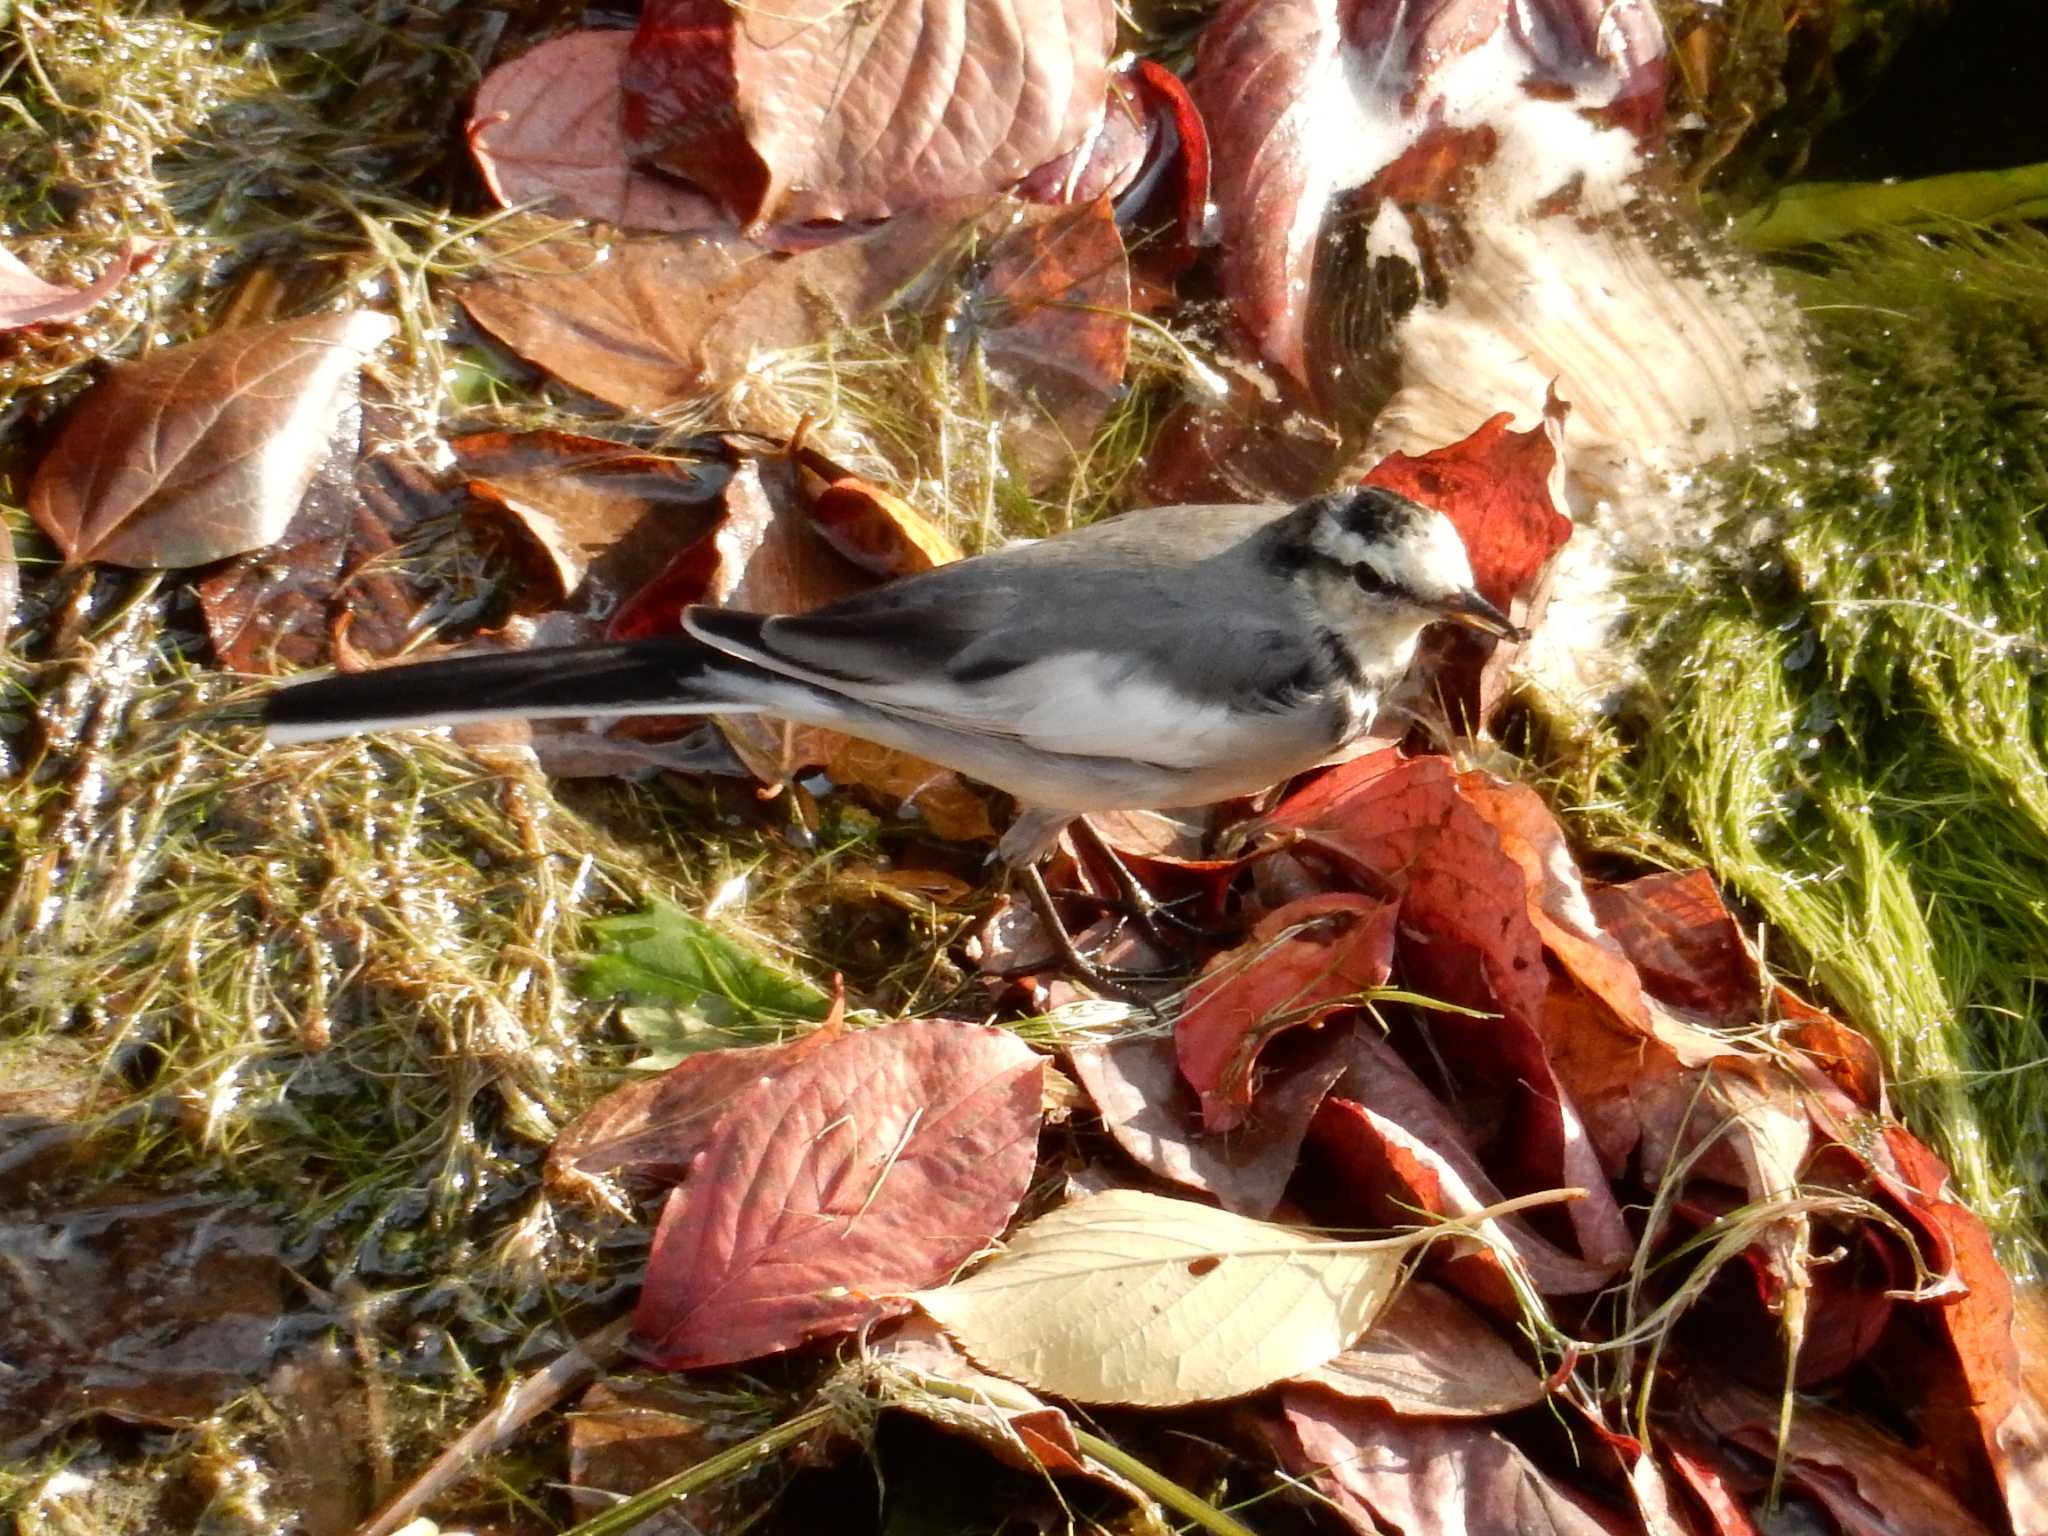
665	955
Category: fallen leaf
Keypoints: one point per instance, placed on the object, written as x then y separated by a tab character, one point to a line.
1149	1108
880	1163
1684	944
152	1308
626	1436
869	524
1707	1480
328	585
1048	308
1429	1354
546	129
1299	964
205	450
647	324
598	518
26	299
1129	1297
821	111
647	1133
1385	1472
664	954
1401	827
1869	1483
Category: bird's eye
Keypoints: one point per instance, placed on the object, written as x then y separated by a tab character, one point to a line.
1369	578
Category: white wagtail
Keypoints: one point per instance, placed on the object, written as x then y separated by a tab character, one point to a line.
1171	657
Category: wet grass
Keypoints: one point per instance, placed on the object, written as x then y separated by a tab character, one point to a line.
1844	712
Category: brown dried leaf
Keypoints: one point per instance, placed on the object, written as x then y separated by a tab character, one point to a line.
205	450
657	321
626	1436
546	129
327	582
1430	1354
600	519
819	110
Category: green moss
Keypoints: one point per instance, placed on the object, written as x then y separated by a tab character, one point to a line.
1845	709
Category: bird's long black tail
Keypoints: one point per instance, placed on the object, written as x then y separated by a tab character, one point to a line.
671	675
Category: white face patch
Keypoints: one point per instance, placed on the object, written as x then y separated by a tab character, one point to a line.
1425	558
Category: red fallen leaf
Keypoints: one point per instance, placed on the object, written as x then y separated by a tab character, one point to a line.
1148	153
1243	444
1960	1397
1386	1472
1706	1479
1869	1483
1684	943
876	1165
205	450
1430	1355
1017	1426
1405	1153
1300	963
545	129
648	324
1309	99
1843	1057
1557	899
820	111
327	584
26	299
1150	1110
1496	487
647	1133
1401	827
599	518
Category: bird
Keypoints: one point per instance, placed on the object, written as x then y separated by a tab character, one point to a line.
1167	657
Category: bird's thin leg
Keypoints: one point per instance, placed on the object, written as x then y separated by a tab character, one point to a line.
1134	902
1072	960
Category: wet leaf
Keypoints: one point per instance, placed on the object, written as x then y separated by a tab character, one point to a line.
1128	1297
1432	1355
626	1436
663	954
597	519
1422	1477
879	1163
1155	1116
818	110
869	524
26	299
1048	308
1300	963
153	1308
546	129
328	585
647	324
205	450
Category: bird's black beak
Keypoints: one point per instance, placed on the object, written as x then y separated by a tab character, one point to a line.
1475	612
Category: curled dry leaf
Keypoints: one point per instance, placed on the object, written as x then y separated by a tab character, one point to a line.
1684	944
879	1163
1154	1115
1300	963
1129	1297
26	299
868	524
1422	1477
598	519
546	129
206	450
819	110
